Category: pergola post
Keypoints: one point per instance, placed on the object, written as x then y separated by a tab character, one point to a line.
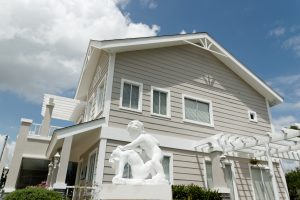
271	168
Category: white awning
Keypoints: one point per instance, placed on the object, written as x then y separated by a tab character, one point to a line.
64	108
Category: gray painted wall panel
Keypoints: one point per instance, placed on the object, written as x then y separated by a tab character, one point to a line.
186	70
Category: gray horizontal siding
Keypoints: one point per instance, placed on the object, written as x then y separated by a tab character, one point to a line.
186	168
184	70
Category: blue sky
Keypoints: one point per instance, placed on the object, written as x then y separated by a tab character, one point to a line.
42	50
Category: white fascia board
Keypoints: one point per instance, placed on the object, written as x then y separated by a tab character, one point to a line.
87	73
146	42
80	128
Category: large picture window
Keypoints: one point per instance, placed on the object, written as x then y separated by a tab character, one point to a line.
131	95
160	102
196	110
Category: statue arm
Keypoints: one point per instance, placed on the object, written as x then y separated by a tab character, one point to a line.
132	145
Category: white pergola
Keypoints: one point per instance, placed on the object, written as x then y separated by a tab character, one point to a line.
64	108
285	145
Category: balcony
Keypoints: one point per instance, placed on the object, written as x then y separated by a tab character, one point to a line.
35	129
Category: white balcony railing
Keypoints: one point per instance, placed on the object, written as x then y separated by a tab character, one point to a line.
35	129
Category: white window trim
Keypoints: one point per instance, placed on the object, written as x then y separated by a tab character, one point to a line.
88	117
140	95
262	166
103	81
211	124
168	115
232	166
88	165
249	116
206	159
170	155
226	162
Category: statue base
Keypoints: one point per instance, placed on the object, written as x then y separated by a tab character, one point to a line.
110	191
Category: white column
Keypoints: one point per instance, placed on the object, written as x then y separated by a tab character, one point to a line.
45	126
50	172
271	167
100	161
16	161
63	164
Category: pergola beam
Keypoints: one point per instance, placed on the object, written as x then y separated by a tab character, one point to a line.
287	134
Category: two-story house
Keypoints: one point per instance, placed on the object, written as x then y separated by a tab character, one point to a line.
184	88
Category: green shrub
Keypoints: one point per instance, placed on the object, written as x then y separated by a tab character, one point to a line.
293	183
193	192
33	193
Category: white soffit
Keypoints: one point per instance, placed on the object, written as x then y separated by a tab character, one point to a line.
122	45
64	108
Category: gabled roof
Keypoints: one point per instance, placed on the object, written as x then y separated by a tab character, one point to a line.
201	40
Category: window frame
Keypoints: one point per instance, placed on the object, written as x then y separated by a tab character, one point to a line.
102	82
89	106
249	116
232	167
210	108
140	103
88	166
168	101
170	155
263	166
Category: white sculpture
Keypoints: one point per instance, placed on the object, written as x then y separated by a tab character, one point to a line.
131	154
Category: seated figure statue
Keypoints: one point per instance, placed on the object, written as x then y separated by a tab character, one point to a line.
128	154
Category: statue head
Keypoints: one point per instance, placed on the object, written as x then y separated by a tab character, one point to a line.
115	157
135	128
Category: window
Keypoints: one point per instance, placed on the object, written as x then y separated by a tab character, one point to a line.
131	95
167	163
91	167
100	96
252	116
209	177
197	110
90	108
262	183
160	102
229	180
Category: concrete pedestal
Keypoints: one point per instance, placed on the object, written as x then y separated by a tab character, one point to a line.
109	191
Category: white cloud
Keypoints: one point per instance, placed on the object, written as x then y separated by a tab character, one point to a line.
293	43
42	43
149	3
283	121
278	31
182	32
